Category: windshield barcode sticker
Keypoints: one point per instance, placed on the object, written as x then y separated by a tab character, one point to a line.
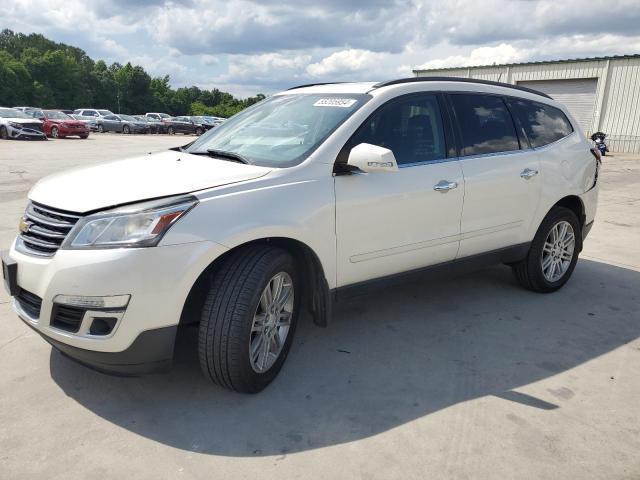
335	102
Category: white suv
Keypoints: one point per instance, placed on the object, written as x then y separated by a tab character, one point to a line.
301	200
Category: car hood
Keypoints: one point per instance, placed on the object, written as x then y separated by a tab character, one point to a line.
23	120
86	189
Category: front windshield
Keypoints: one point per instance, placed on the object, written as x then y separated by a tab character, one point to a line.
128	118
283	130
57	115
105	112
12	113
164	115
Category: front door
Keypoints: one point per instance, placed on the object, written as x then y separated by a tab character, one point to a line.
388	223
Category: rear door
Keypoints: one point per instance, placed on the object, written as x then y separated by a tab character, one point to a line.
392	222
502	185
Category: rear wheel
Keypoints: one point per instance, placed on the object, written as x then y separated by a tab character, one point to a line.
3	133
553	254
171	131
84	137
249	318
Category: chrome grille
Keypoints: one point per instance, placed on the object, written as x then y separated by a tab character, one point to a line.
43	229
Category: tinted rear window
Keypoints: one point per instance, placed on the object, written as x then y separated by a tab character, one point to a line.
485	124
542	123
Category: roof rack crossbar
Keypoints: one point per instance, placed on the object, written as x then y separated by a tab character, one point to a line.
314	85
462	80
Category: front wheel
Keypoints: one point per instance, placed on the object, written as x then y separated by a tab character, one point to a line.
101	128
54	132
249	318
553	254
198	131
126	130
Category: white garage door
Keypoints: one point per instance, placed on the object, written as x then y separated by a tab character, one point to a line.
578	95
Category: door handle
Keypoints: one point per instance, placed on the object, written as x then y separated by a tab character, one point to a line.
443	186
528	173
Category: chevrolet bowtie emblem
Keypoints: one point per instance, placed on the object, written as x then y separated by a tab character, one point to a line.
24	226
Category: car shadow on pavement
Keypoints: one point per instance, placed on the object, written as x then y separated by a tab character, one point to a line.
385	360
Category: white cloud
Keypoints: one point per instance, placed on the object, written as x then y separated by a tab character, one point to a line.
346	61
503	53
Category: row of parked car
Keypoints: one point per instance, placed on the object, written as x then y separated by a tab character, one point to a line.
36	123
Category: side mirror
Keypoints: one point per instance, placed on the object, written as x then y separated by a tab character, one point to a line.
371	158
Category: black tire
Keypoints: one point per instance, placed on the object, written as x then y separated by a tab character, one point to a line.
170	131
4	135
54	132
227	316
126	130
198	131
101	128
84	137
528	272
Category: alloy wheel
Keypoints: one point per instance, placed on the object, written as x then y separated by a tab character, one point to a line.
271	322
557	252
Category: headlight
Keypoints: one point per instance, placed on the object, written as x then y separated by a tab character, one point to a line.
138	225
15	124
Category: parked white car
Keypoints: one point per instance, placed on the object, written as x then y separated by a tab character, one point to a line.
304	199
18	125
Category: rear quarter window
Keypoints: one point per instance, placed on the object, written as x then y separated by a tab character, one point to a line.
542	123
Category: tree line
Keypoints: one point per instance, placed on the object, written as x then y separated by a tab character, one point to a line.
36	71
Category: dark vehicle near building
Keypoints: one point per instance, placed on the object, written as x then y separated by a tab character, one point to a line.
183	125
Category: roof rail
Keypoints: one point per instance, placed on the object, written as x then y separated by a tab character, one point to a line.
314	85
462	80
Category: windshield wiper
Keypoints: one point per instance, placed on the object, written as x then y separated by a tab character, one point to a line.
234	157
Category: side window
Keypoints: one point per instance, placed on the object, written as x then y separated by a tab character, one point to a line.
485	124
542	123
90	113
410	127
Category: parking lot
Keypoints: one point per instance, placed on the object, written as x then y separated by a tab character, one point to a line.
469	377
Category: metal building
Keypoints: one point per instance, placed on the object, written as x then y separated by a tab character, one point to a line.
602	93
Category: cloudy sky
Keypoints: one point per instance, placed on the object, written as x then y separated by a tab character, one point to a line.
263	46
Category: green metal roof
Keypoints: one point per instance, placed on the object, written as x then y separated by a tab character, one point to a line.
541	62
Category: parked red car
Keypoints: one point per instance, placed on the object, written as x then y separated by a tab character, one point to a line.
57	124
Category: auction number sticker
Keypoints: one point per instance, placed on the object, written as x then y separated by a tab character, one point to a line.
335	102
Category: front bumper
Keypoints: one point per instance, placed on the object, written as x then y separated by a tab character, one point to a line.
25	133
70	132
150	352
158	280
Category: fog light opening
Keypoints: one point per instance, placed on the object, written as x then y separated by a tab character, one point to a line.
102	325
